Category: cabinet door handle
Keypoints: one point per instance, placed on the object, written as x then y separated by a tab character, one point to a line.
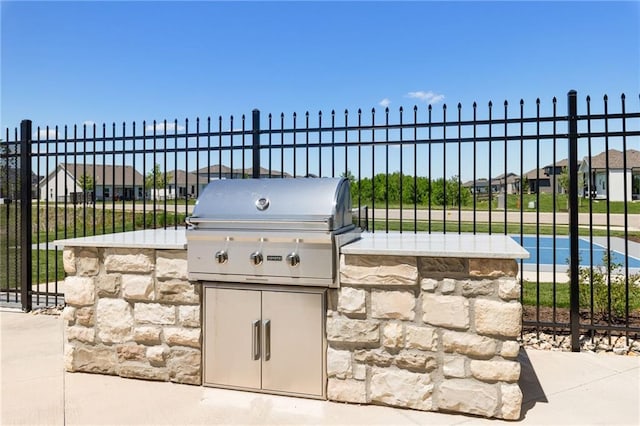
255	344
267	340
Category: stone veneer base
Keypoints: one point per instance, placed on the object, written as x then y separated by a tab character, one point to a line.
414	331
132	313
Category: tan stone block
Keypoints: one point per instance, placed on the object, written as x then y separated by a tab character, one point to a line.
189	316
108	285
401	388
352	301
454	367
439	265
424	338
445	311
511	401
447	286
68	314
338	363
156	355
79	291
393	305
510	349
359	371
114	320
184	365
68	356
353	331
129	260
177	291
176	336
498	318
473	288
87	262
85	316
495	371
147	335
373	357
171	264
81	334
468	396
94	359
468	344
154	313
429	284
420	362
509	289
392	335
378	270
493	268
131	352
137	287
69	260
143	371
347	391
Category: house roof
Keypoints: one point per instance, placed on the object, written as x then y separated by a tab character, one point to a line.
616	159
536	174
182	177
104	174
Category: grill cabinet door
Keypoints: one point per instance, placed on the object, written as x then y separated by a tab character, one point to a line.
295	324
232	337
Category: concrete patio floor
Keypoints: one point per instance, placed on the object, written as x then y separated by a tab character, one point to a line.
558	387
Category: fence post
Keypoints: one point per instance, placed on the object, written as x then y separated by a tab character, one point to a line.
256	144
574	260
25	215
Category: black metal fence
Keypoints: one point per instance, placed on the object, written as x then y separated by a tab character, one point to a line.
500	169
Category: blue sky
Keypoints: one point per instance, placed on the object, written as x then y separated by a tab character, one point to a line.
65	63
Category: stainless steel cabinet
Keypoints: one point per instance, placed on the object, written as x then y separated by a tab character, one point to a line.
266	340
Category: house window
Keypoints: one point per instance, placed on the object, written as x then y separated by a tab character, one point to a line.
107	193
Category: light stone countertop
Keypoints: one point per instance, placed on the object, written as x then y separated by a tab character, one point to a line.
437	245
392	244
149	238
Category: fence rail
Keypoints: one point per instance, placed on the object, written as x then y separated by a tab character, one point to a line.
499	169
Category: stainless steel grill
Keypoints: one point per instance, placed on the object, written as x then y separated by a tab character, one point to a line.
280	231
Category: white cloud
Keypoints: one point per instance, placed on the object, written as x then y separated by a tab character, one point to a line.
160	128
428	97
42	134
385	102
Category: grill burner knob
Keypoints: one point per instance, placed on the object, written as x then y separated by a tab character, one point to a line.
222	256
293	259
256	258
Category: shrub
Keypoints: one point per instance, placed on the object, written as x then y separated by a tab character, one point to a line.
605	288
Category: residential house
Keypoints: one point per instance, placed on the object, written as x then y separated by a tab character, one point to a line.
509	184
479	186
181	184
105	182
605	174
545	179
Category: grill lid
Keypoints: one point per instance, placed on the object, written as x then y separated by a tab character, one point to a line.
298	203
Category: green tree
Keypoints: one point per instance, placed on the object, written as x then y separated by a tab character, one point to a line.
156	178
87	184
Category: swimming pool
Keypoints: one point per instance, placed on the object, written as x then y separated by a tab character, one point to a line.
545	254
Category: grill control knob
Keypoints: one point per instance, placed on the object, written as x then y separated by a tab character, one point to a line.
256	258
293	259
222	256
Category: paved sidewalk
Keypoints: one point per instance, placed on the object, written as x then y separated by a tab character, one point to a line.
559	388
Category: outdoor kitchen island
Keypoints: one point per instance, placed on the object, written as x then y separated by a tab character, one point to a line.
427	322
